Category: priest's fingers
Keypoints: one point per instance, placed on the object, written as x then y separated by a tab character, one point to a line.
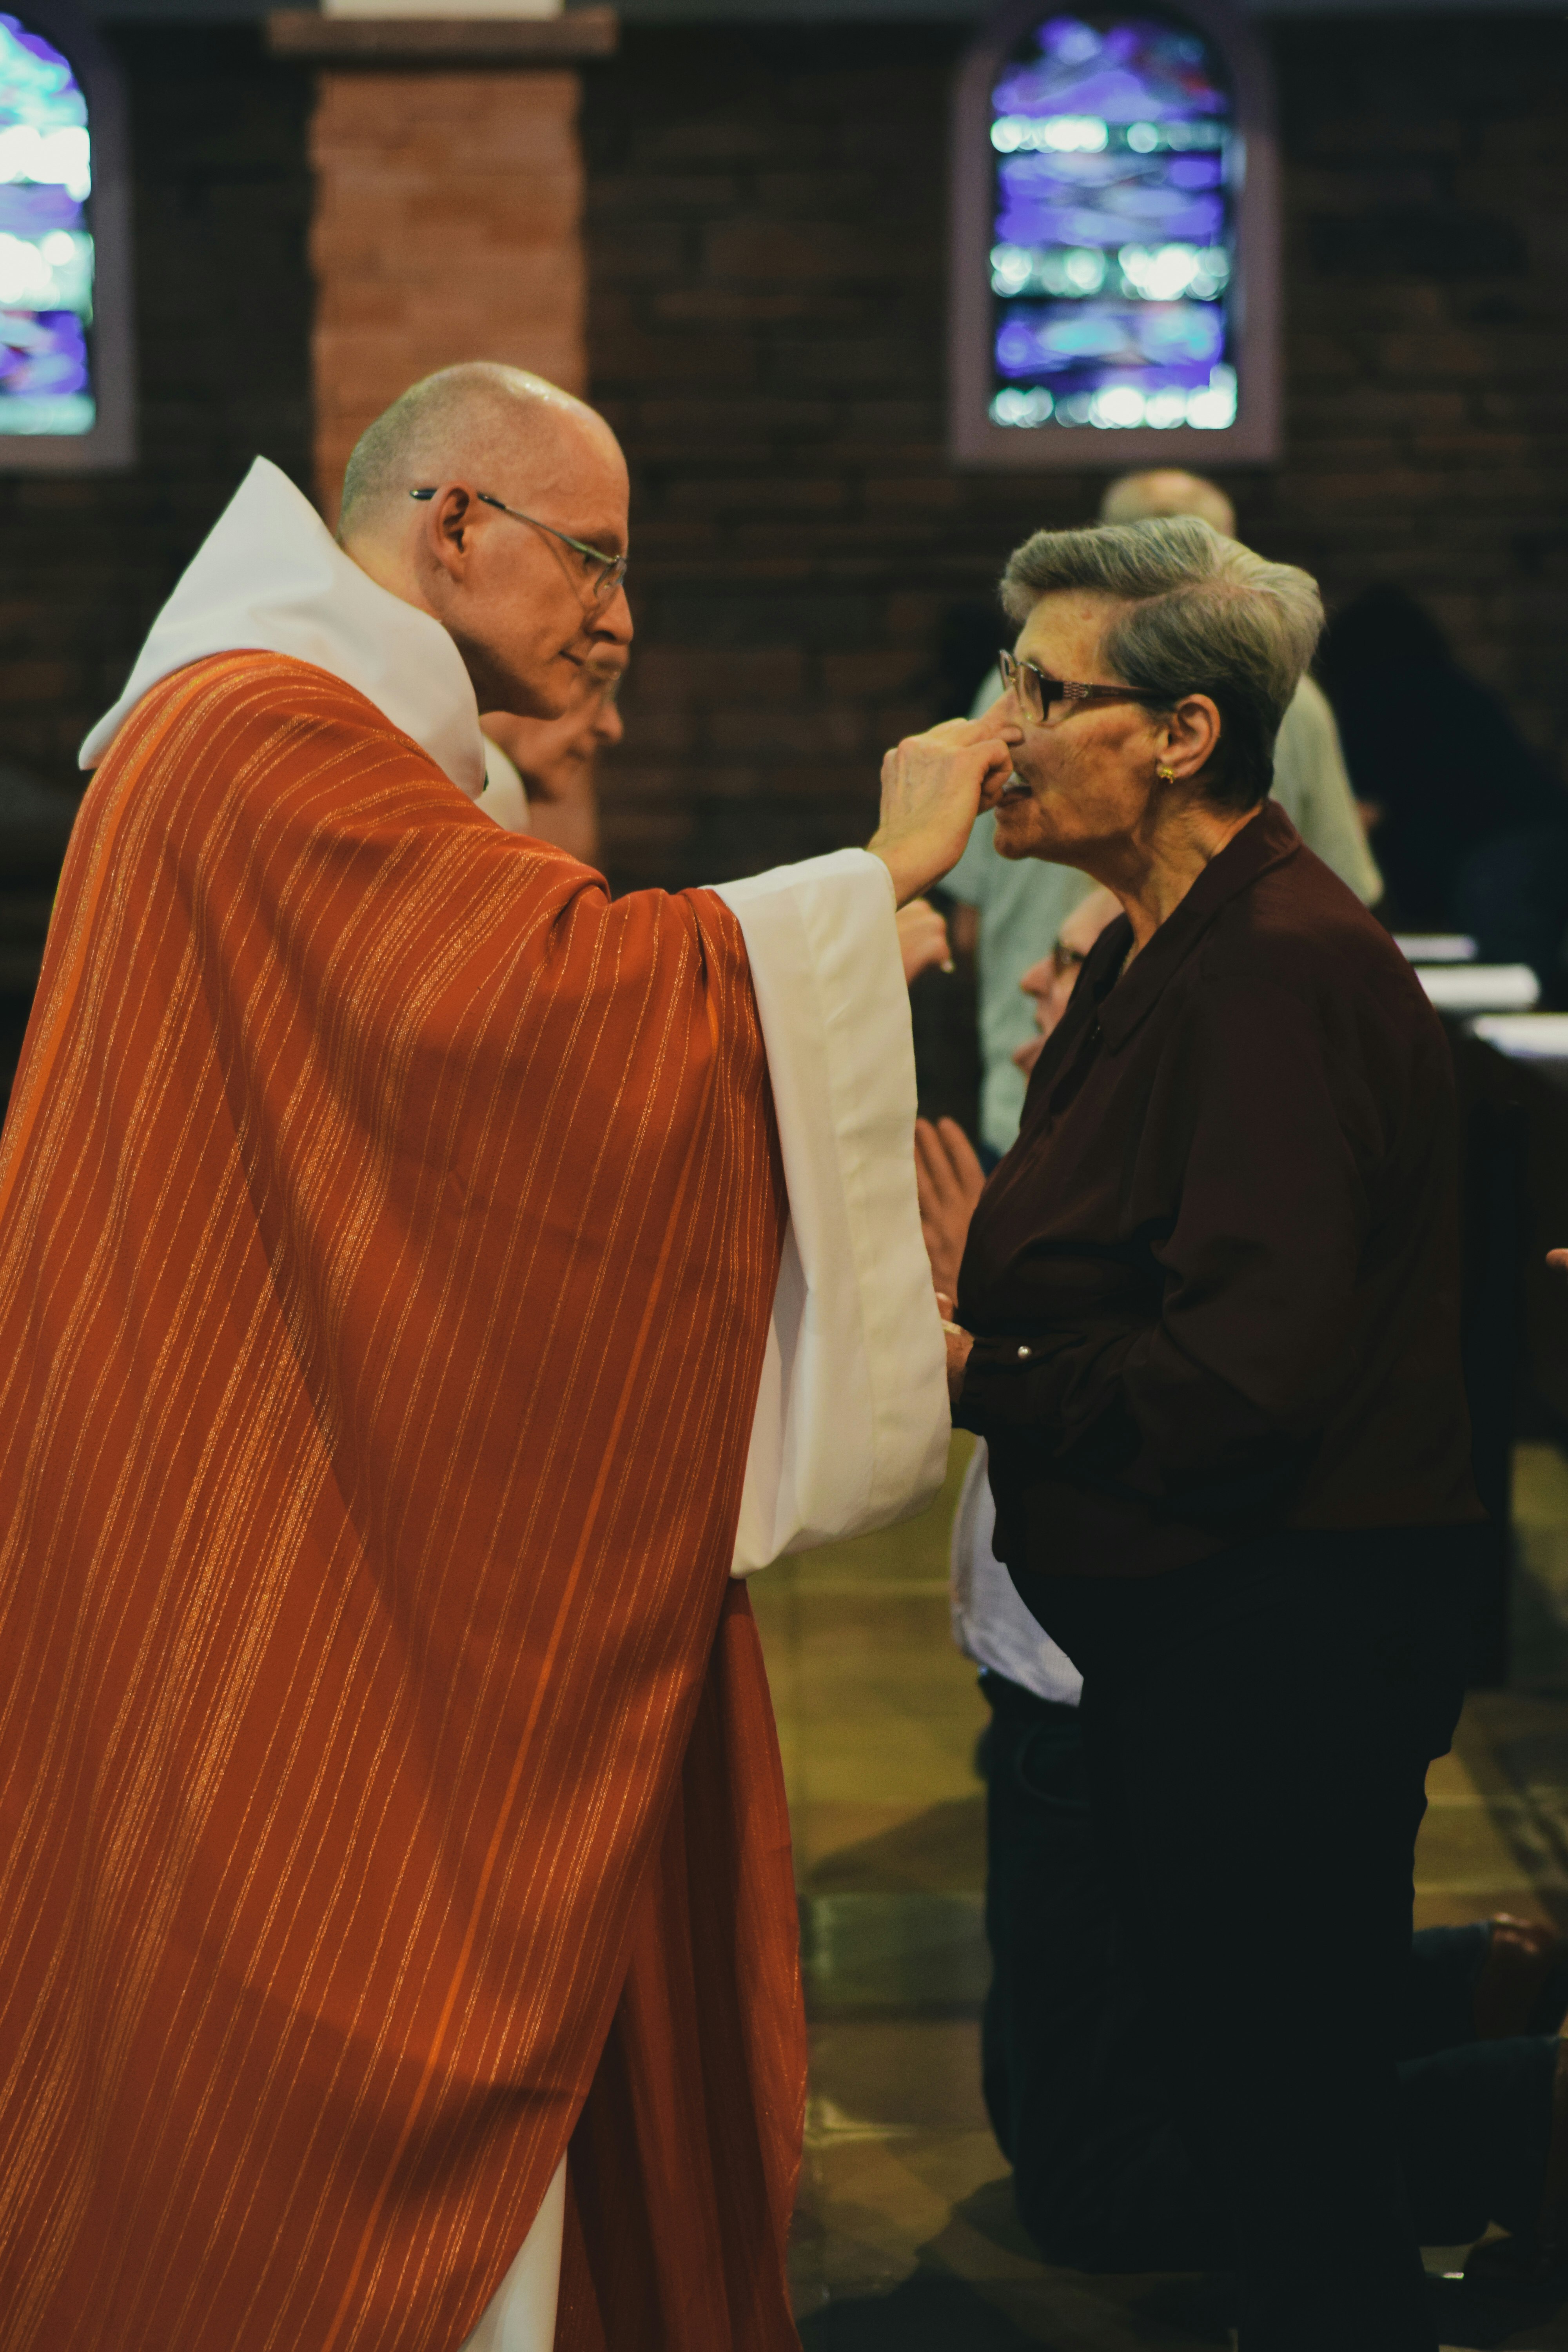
1559	1258
995	723
933	788
997	782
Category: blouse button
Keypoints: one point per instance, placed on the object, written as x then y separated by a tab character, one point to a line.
1023	1351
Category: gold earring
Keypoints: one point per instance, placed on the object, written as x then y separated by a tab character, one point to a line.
1166	775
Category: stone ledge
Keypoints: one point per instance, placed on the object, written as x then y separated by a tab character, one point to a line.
312	39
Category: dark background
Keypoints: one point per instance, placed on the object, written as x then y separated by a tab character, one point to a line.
767	251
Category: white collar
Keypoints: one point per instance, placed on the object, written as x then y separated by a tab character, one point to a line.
270	578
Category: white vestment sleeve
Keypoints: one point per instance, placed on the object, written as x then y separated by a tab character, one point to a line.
521	2314
852	1421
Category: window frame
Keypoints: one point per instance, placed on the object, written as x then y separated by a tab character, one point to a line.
112	442
1255	438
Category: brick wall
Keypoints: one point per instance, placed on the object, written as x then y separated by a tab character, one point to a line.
767	218
220	210
447	227
766	232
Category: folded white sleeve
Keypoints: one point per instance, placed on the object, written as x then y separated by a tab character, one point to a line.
852	1422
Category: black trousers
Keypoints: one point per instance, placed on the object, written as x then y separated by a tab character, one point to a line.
1256	1736
1103	2179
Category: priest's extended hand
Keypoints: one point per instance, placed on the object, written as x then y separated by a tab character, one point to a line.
934	787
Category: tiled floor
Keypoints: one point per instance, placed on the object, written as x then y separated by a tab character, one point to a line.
905	2236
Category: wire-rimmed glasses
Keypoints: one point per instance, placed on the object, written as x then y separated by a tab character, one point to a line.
612	568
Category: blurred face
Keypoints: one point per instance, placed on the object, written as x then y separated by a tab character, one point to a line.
555	756
1167	490
1051	982
1083	776
529	614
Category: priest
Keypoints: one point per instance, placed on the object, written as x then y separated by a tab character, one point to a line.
426	1286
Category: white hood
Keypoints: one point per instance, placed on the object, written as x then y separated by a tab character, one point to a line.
270	578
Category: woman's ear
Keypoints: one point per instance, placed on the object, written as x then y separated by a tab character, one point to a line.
1192	734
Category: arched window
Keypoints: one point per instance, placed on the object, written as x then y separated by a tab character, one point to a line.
66	394
1115	235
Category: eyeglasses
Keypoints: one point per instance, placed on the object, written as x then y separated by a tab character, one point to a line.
612	568
1036	692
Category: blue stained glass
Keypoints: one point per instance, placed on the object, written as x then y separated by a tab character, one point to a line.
45	239
1112	258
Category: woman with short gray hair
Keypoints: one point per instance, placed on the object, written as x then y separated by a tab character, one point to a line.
1208	1322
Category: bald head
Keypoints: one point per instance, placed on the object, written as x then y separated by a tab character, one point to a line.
497	425
515	542
1167	490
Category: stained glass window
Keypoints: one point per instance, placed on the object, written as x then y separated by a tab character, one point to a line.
1114	241
46	240
1114	236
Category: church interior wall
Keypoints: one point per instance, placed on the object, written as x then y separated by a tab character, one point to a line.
766	227
221	213
767	265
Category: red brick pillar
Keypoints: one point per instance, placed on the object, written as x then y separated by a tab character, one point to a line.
449	204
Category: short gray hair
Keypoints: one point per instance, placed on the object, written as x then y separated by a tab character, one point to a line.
1203	616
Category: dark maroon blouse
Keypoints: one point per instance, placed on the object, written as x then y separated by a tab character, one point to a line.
1214	1284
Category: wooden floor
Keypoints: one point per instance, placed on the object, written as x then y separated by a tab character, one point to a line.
905	2237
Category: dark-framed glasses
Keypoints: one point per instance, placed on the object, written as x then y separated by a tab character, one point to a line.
609	570
1035	692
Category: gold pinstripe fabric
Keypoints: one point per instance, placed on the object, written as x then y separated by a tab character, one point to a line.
388	1229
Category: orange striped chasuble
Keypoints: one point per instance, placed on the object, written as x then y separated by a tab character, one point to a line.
388	1232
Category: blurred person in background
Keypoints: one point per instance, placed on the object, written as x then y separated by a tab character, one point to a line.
1471	824
950	1171
541	774
1049	983
1008	910
541	779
